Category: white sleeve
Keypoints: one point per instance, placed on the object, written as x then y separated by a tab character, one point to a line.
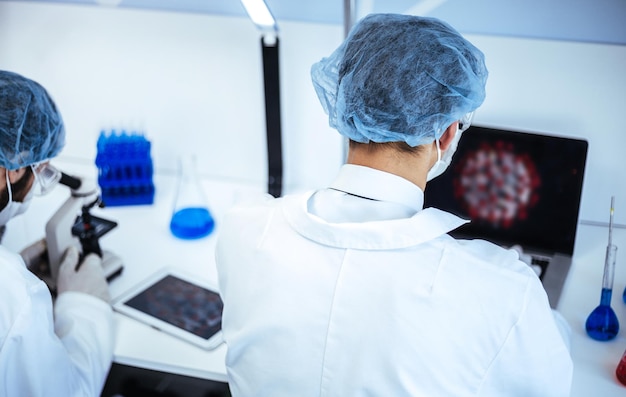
35	361
534	361
84	324
564	328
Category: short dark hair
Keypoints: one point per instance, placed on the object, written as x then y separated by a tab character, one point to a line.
401	146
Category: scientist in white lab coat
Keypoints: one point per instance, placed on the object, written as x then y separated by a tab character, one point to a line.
65	350
356	289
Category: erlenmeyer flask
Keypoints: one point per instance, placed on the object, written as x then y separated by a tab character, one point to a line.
191	218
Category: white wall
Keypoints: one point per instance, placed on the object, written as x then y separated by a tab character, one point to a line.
195	81
191	82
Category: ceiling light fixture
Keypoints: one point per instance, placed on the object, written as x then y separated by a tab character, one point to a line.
260	14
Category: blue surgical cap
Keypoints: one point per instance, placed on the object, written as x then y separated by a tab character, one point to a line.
31	127
400	78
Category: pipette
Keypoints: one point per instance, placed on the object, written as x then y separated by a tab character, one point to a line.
611	220
602	323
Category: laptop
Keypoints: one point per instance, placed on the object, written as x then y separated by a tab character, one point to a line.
517	188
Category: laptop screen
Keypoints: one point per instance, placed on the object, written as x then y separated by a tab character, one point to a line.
515	187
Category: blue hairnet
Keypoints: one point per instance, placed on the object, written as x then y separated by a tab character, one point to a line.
31	127
400	78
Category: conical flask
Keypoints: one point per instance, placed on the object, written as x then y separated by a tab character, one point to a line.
191	218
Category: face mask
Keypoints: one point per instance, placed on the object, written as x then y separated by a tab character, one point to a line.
442	163
14	208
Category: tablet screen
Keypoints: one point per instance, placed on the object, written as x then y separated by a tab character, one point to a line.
181	304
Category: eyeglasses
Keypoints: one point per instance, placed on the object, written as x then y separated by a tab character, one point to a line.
46	177
466	121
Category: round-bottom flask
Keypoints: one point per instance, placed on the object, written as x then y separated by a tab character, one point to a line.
603	324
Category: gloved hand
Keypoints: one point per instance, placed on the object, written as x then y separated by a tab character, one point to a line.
88	279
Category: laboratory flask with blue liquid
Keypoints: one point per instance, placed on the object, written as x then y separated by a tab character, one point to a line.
602	324
191	218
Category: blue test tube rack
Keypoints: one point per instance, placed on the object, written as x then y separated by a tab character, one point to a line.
124	168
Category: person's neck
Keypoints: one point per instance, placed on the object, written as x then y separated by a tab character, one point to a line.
410	166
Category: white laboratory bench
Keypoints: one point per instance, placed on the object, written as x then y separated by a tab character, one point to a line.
145	244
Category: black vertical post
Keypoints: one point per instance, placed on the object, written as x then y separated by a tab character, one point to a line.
349	15
272	118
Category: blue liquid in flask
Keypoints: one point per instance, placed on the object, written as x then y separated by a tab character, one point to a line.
602	324
192	223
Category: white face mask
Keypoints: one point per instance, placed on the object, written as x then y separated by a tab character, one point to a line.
442	163
14	208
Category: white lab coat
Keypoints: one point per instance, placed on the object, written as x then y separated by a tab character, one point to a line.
41	354
357	291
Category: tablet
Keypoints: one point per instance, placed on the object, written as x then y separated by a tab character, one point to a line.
178	304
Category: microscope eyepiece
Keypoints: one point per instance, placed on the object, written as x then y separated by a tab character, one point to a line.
70	181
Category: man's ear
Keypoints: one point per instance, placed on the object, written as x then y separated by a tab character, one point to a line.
448	136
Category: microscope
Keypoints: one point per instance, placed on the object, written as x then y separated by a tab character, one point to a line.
73	224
